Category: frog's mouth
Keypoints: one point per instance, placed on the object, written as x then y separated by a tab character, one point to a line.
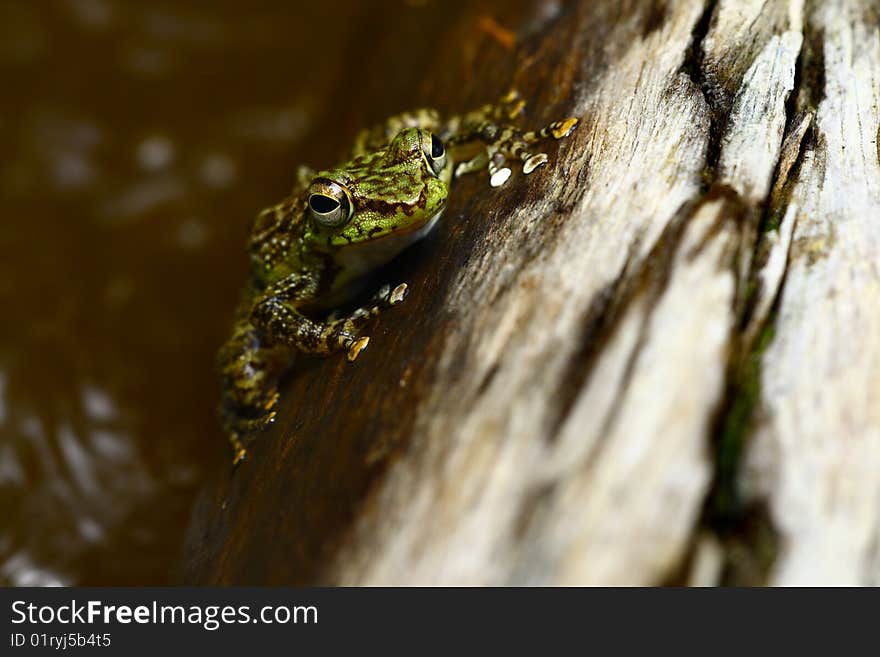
414	231
361	258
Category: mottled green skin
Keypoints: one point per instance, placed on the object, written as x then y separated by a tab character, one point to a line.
396	190
393	189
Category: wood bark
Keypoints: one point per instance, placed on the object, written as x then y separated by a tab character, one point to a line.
655	361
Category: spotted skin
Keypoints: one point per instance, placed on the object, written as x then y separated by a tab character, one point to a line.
310	252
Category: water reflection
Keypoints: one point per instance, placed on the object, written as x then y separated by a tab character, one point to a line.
68	480
139	139
124	209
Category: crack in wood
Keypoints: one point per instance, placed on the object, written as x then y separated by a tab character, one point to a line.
632	287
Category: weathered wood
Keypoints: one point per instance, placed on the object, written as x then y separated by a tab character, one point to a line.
816	455
565	396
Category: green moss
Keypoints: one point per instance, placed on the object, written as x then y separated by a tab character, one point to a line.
725	505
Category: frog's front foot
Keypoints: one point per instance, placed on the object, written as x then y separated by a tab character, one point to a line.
384	298
357	347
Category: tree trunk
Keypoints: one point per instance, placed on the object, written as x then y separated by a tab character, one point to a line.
656	360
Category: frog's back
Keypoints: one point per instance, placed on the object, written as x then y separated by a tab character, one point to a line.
275	239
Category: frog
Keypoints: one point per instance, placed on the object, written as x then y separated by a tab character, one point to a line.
311	253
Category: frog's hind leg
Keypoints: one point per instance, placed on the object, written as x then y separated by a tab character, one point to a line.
429	119
379	135
517	147
240	431
250	374
490	124
505	141
253	359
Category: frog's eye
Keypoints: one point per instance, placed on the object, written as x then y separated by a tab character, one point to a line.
435	154
329	204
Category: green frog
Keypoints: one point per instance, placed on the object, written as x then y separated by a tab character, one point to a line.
309	252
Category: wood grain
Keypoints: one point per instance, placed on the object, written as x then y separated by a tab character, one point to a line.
567	395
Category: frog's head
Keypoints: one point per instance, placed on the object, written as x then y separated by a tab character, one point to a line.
374	206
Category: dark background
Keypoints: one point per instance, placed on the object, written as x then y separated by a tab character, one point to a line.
139	138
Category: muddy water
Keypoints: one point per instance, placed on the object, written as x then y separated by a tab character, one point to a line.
138	139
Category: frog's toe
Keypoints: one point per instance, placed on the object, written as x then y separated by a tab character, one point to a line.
534	161
239	451
563	128
512	105
271	401
498	173
510	96
357	347
398	294
499	176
